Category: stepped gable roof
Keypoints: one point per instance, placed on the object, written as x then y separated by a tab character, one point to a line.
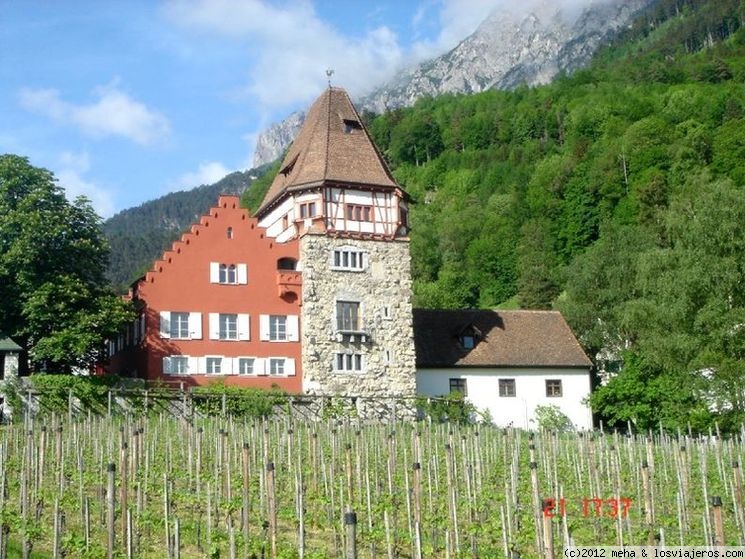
503	339
332	145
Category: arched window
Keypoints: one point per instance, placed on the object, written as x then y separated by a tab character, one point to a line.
286	264
232	278
223	273
230	232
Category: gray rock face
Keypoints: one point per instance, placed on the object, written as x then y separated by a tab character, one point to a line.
272	142
509	48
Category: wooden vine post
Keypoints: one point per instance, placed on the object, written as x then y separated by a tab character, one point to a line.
548	533
245	508
272	506
350	525
716	512
111	471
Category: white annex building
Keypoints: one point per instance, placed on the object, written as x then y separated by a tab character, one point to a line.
505	362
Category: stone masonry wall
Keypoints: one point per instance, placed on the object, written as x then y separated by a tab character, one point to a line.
386	282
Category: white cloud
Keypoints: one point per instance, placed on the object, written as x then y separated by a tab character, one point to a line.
70	176
206	173
114	113
294	48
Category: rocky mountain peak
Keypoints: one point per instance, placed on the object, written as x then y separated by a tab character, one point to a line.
514	45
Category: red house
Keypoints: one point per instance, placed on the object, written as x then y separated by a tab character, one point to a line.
224	302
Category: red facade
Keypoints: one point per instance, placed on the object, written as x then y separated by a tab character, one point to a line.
224	303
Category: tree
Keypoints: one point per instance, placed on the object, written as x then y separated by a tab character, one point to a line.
54	298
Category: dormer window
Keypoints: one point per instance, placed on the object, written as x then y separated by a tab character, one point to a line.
469	337
287	169
350	126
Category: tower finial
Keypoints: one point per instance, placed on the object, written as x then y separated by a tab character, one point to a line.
329	73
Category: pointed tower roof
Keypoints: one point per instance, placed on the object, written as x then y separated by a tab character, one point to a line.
333	146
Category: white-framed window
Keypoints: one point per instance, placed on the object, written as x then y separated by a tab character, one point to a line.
276	366
228	273
350	259
279	328
229	326
246	366
348	316
180	325
280	366
176	365
349	363
213	365
386	314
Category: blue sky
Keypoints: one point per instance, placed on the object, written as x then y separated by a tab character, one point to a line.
128	100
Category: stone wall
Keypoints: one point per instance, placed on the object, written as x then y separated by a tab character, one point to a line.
383	290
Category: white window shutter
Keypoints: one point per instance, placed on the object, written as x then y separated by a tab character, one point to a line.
166	365
214	272
293	330
201	368
260	366
264	327
193	365
290	367
227	366
195	325
244	327
214	325
242	273
235	365
165	324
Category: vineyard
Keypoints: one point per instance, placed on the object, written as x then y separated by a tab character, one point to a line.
222	487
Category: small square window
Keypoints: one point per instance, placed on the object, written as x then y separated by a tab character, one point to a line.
458	385
553	388
177	365
214	365
276	366
468	341
507	388
246	366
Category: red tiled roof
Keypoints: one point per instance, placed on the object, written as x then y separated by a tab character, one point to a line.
504	339
333	145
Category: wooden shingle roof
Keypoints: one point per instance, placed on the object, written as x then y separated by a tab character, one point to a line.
332	146
504	339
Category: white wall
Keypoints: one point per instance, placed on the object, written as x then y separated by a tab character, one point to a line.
530	388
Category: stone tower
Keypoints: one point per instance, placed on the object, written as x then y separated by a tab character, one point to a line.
336	194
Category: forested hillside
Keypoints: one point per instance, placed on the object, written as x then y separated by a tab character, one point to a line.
616	195
139	235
